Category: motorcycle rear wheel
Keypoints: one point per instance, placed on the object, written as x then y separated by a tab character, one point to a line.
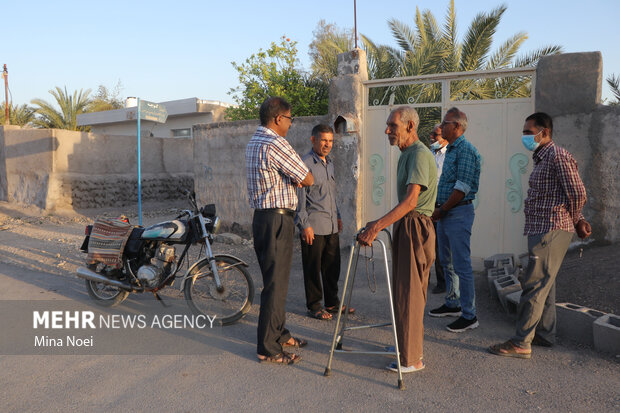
228	305
105	295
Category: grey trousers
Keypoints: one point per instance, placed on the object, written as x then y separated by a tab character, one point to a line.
536	309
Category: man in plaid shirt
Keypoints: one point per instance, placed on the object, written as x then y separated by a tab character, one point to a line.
552	215
274	171
454	213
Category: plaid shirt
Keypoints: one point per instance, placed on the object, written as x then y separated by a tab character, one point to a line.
556	194
461	170
273	169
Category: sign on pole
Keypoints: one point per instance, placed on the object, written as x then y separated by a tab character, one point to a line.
155	113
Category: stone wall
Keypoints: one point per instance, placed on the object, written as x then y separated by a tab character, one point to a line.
53	168
568	88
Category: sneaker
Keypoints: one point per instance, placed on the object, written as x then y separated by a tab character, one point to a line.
445	311
393	366
463	324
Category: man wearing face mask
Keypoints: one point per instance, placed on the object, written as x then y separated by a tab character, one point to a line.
439	148
555	198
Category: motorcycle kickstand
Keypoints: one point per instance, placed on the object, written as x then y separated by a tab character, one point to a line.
161	300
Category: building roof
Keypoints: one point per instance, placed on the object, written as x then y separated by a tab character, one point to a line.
181	107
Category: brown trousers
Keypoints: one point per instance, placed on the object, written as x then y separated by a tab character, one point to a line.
413	255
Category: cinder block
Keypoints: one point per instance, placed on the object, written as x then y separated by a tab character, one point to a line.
493	274
575	322
606	334
512	301
505	286
523	260
493	260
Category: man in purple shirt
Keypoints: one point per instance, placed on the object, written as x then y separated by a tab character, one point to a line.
552	210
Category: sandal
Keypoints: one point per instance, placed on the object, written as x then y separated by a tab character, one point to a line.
282	358
297	343
508	349
320	315
334	309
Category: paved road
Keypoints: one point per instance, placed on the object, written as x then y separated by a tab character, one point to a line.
460	374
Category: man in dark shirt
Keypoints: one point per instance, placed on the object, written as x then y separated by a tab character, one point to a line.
319	223
552	210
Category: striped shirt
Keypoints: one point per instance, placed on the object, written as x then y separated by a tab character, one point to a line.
461	170
273	169
556	194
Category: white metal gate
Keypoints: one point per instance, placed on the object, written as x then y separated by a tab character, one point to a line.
496	104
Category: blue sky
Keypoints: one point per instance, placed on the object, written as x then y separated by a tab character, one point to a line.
167	50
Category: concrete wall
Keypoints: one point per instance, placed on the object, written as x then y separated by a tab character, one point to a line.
568	87
53	168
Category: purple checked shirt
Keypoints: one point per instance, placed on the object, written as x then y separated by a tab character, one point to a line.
556	194
273	170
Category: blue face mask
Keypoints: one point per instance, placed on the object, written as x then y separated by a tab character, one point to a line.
529	141
435	146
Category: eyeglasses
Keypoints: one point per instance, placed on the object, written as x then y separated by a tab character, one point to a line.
288	117
445	122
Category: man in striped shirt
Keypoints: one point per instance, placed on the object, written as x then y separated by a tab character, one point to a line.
274	172
552	209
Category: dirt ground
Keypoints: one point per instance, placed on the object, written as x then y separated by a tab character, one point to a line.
47	242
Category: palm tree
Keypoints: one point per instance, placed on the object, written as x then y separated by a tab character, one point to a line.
20	115
614	83
429	49
70	107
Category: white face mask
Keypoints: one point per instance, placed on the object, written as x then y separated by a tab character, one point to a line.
435	146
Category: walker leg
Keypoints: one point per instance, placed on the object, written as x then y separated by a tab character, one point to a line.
354	251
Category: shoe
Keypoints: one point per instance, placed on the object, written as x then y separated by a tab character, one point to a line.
393	366
445	311
462	324
320	315
508	349
439	289
541	342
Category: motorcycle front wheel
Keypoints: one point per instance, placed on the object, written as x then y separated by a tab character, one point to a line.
228	304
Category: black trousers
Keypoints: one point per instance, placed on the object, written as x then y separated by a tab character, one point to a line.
321	262
273	244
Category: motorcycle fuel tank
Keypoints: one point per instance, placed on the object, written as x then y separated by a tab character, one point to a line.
169	230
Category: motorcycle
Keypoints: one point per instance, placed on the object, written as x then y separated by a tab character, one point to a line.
216	285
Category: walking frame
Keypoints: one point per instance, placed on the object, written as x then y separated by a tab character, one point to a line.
339	331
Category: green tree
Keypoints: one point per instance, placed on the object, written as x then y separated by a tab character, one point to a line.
20	115
328	42
47	116
276	72
614	83
107	99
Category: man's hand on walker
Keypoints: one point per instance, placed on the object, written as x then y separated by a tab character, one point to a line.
368	235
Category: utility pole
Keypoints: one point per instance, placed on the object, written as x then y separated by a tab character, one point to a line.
354	18
5	74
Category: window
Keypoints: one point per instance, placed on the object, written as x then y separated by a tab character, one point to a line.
181	133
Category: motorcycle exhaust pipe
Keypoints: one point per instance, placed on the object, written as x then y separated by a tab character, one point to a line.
90	275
